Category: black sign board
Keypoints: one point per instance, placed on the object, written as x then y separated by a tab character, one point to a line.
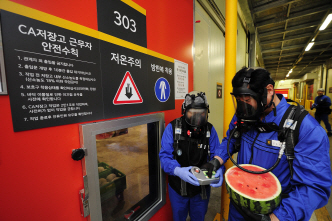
57	76
120	20
53	74
130	79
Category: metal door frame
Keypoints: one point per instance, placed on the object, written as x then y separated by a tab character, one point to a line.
88	134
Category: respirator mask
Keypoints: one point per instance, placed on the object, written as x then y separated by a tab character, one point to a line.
248	105
195	110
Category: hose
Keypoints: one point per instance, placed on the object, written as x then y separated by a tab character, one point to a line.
250	171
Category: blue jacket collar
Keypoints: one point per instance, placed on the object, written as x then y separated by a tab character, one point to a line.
280	110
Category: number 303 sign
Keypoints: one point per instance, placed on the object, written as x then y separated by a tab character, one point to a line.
122	19
125	22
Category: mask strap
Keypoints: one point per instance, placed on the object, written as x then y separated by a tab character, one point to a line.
274	109
246	79
184	107
202	95
270	104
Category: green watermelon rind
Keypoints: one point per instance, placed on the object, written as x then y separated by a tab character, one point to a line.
260	206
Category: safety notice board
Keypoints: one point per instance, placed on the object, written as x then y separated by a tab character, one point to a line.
57	76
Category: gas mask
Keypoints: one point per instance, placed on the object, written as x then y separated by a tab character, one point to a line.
249	105
195	110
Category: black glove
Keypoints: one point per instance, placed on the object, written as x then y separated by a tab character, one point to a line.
212	165
248	215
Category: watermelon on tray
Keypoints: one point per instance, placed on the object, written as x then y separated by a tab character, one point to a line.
260	193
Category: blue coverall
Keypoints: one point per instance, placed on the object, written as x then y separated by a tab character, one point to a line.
181	205
310	187
322	105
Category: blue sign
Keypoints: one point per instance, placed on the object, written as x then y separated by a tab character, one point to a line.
162	89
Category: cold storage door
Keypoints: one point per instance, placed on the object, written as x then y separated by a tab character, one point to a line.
124	178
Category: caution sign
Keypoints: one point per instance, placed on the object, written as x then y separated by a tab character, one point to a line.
127	92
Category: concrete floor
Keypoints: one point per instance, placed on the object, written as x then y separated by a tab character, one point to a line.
214	204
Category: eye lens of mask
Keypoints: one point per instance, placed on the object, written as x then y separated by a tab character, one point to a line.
196	117
245	106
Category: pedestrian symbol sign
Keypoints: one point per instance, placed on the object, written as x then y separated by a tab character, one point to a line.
162	89
127	92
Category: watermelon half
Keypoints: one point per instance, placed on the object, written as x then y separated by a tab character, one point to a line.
260	193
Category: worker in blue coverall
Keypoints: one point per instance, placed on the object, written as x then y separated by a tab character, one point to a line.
190	141
309	187
322	105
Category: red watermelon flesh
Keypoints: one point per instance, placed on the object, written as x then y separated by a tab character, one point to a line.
260	193
262	186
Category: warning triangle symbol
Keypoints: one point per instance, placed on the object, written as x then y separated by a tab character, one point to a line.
127	92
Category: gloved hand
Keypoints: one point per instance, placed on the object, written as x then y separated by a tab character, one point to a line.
313	106
185	175
219	173
254	216
210	166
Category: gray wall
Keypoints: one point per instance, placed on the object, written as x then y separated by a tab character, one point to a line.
209	63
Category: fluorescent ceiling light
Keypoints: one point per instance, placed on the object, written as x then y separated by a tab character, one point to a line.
326	22
309	46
